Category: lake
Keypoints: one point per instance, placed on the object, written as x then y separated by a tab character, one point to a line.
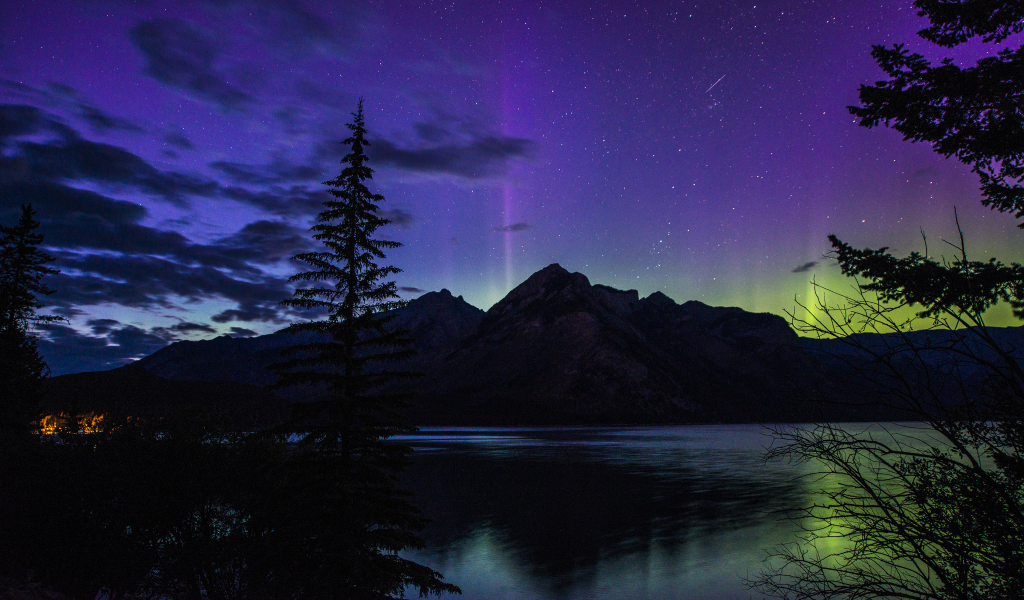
600	513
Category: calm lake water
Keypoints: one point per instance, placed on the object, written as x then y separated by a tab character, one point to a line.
602	513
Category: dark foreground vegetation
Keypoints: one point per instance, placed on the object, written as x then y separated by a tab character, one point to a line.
935	512
165	499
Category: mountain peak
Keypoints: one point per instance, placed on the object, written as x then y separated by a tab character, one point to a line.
551	281
659	299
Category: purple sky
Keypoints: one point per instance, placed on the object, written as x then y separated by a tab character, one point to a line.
175	151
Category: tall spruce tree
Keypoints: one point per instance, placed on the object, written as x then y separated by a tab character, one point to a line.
348	521
22	268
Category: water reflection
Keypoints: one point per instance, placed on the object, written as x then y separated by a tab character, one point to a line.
680	512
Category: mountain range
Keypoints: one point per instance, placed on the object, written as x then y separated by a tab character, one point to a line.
557	350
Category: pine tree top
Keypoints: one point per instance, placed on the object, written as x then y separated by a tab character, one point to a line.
22	268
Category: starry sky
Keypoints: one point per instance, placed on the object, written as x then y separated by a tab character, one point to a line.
174	151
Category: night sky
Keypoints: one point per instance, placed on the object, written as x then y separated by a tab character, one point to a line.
175	151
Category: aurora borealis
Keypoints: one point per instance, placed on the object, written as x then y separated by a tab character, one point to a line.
174	151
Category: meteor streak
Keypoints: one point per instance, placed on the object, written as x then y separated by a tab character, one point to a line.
714	84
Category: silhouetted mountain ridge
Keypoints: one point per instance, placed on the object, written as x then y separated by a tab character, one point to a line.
560	350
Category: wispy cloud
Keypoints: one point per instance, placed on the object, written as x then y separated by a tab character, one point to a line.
514	227
481	157
180	55
398	217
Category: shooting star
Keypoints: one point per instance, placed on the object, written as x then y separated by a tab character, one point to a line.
714	84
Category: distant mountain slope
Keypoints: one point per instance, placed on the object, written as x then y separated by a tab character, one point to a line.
435	320
559	350
936	362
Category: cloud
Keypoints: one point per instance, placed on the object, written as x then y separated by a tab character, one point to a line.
431	132
807	266
293	118
107	256
295	200
79	159
58	203
481	157
187	328
290	26
514	227
110	253
242	332
398	217
29	118
111	345
149	282
19	119
101	122
269	241
251	312
279	170
179	55
179	140
411	290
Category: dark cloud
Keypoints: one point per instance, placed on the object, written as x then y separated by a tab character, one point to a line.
107	256
279	170
253	312
431	132
111	345
269	241
60	89
102	326
514	227
110	254
79	159
242	332
19	119
411	290
178	140
398	217
807	266
101	122
483	156
17	87
291	26
185	328
291	201
148	282
293	118
180	55
58	203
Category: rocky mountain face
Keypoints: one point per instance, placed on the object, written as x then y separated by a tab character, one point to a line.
559	350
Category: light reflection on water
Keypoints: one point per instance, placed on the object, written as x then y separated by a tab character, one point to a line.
641	512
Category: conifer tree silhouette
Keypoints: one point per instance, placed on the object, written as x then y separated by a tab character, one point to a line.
346	505
22	268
